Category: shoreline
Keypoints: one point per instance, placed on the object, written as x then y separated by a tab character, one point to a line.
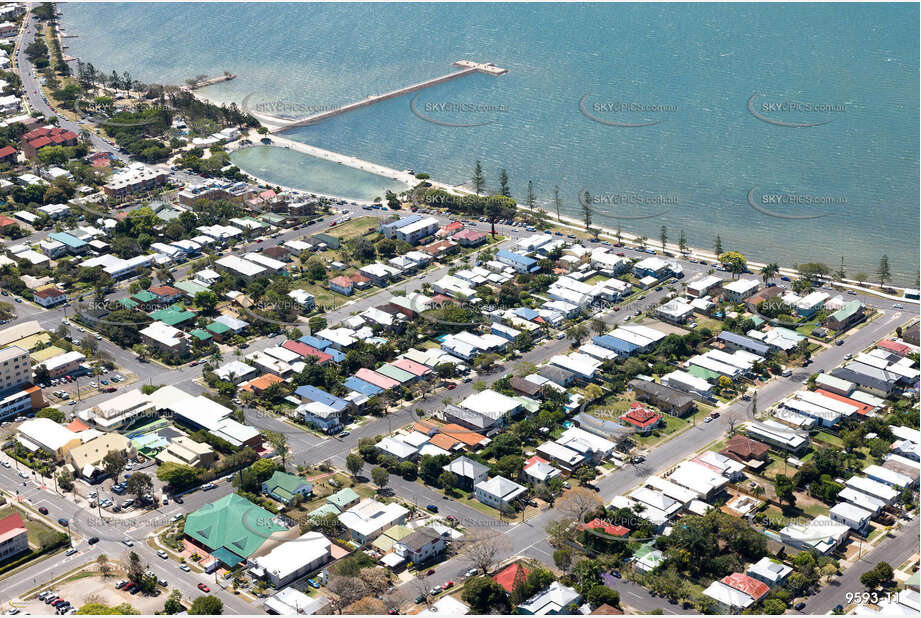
564	220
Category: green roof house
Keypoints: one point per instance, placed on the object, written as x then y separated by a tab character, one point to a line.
201	334
190	288
326	509
400	375
220	329
231	529
127	303
343	499
283	487
145	296
173	316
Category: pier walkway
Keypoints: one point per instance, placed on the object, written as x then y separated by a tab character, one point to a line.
467	67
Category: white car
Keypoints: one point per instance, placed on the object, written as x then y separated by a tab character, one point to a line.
162	554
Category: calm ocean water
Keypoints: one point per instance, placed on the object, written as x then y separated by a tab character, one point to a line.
690	69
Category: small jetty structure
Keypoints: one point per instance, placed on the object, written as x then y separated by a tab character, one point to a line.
467	67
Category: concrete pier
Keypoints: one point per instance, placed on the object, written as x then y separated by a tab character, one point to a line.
467	67
210	81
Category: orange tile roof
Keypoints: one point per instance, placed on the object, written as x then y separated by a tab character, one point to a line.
862	408
261	383
467	436
77	425
442	440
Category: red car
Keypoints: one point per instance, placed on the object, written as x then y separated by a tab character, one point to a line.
204	588
451	387
447	584
430	572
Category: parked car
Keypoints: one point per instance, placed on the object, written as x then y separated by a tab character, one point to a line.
63	522
162	554
71	551
92	540
185	567
431	507
43	510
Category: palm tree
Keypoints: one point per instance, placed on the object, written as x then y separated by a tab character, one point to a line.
769	271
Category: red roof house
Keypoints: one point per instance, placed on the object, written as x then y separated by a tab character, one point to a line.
605	527
506	577
890	346
8	153
307	350
641	417
749	585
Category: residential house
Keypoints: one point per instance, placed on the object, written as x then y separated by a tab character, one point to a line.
284	487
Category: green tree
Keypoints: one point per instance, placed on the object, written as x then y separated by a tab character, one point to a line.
682	242
139	484
718	246
173	603
774	607
380	477
587	210
503	183
354	463
883	271
529	196
485	596
600	595
207	605
557	202
478	180
663	236
114	462
783	486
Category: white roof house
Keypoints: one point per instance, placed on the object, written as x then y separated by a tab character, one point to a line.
500	488
889	477
288	561
862	500
822	534
397	448
584	442
201	411
240	266
369	518
490	404
852	516
446	606
768	571
873	488
698	478
741	288
554	599
582	364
